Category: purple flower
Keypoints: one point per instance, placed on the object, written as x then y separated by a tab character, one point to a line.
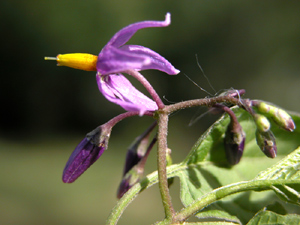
116	57
86	153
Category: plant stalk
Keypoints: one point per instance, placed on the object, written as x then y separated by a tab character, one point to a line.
148	87
162	164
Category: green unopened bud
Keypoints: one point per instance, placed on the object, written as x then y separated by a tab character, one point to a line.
279	116
262	122
266	142
262	107
284	120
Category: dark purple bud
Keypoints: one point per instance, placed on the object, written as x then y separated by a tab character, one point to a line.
137	149
266	142
136	157
234	142
86	153
128	181
134	174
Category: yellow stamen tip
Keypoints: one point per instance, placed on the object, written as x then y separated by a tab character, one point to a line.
50	58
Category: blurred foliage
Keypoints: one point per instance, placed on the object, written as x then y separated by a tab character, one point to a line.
239	44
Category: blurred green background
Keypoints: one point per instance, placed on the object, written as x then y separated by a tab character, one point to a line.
46	110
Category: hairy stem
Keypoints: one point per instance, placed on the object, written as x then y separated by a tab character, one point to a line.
162	164
112	122
203	102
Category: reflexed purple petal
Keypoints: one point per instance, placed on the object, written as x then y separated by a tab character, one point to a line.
122	36
84	155
117	89
154	61
114	60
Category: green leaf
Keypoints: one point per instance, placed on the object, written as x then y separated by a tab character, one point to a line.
271	218
287	170
207	169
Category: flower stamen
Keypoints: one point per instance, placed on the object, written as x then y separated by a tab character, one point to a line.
81	61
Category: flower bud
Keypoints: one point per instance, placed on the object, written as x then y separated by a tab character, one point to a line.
137	149
130	179
86	153
279	116
234	142
136	157
266	142
262	122
284	120
134	172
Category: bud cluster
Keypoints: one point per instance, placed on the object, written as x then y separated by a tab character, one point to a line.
264	136
234	140
279	116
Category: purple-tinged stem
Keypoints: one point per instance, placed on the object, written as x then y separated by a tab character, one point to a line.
229	112
148	87
122	116
209	102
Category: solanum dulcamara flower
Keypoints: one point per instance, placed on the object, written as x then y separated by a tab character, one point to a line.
115	58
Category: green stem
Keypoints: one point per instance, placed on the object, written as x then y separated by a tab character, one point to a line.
122	205
162	164
222	192
133	192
